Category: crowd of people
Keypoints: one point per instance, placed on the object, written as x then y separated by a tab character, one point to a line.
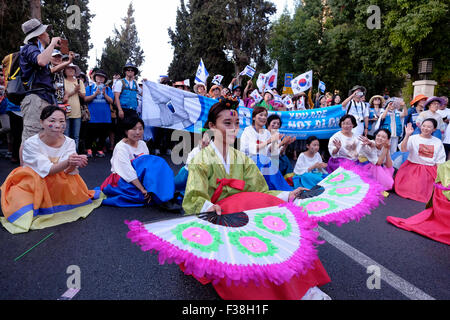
70	117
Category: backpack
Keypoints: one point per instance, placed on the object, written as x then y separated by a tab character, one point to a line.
10	62
15	88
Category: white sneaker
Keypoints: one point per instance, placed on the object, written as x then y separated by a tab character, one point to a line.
315	293
157	152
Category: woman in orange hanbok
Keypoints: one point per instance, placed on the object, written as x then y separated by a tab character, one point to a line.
47	190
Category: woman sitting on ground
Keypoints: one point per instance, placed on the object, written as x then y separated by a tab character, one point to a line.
273	125
224	180
379	163
415	178
137	178
47	190
259	144
344	145
310	168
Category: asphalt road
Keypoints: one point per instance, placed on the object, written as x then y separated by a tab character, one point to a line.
112	268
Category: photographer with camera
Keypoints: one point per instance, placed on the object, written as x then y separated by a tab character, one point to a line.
355	106
34	63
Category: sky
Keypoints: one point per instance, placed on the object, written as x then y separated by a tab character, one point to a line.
153	19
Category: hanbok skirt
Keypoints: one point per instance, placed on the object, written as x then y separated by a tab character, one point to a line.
381	174
180	180
433	222
294	289
415	181
334	163
30	202
308	180
271	173
154	174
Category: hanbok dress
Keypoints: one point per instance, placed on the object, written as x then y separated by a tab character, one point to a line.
433	222
32	199
415	178
236	184
128	164
305	178
350	147
380	173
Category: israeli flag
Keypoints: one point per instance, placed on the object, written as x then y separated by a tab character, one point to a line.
322	86
202	74
248	71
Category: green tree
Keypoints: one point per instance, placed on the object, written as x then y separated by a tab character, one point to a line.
226	34
58	13
12	15
246	30
181	66
122	47
198	35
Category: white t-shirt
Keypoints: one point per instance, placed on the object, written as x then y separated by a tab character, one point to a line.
41	157
350	147
250	138
372	154
122	156
424	151
304	163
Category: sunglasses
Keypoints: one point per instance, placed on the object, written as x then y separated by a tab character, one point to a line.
129	70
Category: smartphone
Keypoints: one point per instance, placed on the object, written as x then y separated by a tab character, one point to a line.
64	46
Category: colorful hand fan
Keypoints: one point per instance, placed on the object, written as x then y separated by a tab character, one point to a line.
347	194
273	245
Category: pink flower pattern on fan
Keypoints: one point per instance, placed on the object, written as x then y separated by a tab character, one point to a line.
274	223
317	206
198	235
253	244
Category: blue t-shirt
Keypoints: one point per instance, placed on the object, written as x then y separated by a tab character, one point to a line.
99	107
43	78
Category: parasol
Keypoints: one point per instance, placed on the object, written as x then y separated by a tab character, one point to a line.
345	195
270	244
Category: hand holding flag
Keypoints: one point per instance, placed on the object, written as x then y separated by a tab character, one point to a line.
248	71
202	74
322	86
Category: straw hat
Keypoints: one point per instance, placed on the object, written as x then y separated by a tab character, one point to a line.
198	85
379	97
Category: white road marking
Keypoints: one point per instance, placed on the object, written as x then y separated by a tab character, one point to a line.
69	294
388	276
